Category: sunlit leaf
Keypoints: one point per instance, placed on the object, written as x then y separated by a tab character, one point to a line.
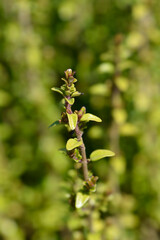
82	111
55	123
81	199
90	117
72	118
101	153
57	90
70	101
63	79
73	143
76	94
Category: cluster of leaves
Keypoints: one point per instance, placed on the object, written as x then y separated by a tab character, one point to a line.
38	40
76	122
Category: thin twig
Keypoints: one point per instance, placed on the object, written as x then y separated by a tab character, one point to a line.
83	153
82	148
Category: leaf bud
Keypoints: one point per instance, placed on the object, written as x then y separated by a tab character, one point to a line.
68	73
64	118
90	184
81	112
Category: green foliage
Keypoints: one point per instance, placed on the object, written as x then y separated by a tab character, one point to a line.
57	90
75	146
90	117
81	199
55	123
38	40
73	143
72	120
70	101
101	153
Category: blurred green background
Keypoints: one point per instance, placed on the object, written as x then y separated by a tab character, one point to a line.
114	47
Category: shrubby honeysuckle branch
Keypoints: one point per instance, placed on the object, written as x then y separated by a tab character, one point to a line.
76	122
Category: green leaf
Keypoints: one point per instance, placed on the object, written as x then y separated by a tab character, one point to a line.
57	90
75	155
55	123
90	117
81	199
76	94
81	112
101	153
68	93
70	101
65	80
72	119
75	80
73	143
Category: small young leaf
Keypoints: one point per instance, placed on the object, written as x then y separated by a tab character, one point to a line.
70	101
73	143
90	117
67	93
101	153
76	94
63	88
55	123
81	112
75	155
72	119
57	90
81	199
63	79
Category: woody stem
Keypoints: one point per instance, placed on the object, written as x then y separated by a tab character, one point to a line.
82	150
